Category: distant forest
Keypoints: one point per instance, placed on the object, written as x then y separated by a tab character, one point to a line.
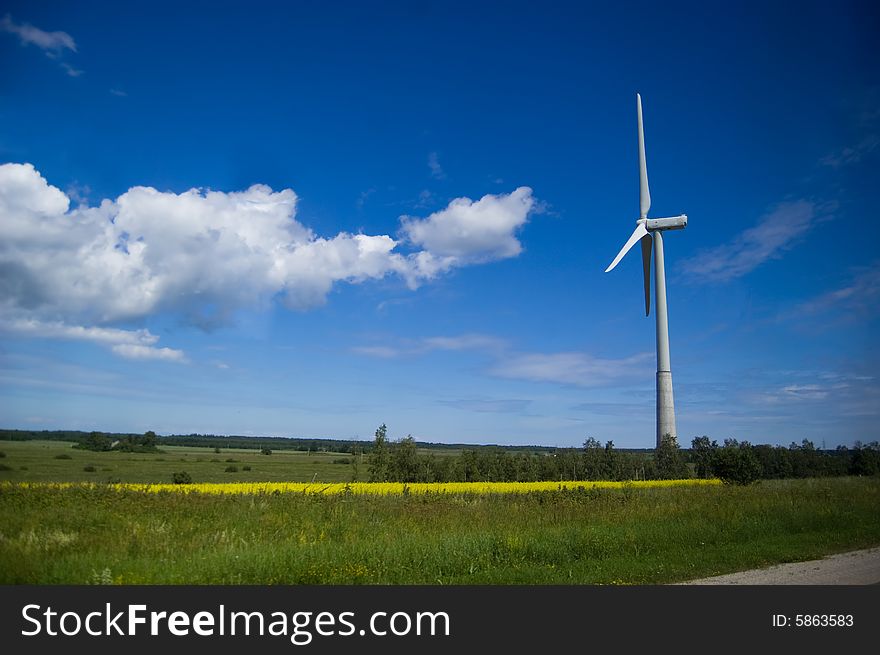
258	443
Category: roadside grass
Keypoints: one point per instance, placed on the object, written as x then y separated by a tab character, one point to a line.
80	535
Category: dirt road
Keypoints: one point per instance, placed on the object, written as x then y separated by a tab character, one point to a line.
860	567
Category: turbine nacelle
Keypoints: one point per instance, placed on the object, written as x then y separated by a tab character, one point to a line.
673	223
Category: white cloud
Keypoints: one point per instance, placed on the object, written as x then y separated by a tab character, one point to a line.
382	352
437	171
132	344
70	70
425	198
852	154
470	232
775	233
480	342
52	43
206	254
805	392
463	342
860	296
575	368
572	368
489	405
135	351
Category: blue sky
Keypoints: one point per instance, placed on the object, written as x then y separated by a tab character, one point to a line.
307	219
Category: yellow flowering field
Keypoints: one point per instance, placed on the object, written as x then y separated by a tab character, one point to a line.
380	488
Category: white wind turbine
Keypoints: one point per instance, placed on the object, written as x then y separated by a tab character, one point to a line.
650	230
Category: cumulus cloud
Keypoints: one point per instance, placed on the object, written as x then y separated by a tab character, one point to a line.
776	232
468	232
206	254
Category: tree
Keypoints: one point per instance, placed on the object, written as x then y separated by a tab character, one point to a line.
594	460
670	462
356	454
379	459
405	461
97	441
149	439
613	468
703	451
736	463
866	459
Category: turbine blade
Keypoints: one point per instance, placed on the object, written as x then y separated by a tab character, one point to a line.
644	192
647	247
638	234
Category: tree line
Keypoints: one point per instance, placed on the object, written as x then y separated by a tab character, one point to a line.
401	461
741	462
315	445
734	462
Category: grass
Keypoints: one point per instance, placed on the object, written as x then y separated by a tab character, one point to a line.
98	534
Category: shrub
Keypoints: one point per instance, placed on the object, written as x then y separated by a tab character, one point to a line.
89	469
265	451
2	454
245	468
230	459
231	469
63	456
181	477
22	468
4	467
342	460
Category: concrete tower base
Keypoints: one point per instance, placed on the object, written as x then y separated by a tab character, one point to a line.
665	406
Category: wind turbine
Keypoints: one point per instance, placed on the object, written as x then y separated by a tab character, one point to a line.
650	232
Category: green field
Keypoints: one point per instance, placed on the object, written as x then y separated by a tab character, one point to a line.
46	461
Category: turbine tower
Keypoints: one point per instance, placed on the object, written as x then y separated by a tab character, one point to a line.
650	232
